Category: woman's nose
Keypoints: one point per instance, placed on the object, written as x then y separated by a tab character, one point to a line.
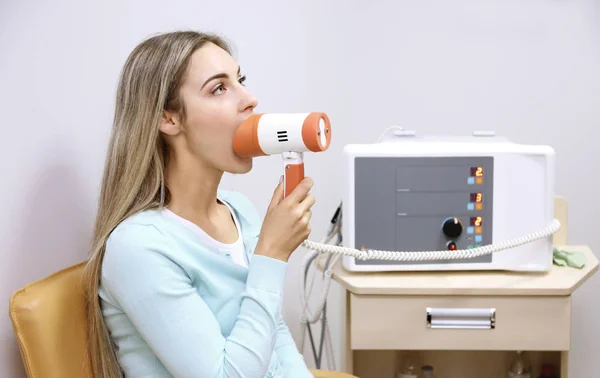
249	101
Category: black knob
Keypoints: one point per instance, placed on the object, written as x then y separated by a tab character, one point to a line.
452	227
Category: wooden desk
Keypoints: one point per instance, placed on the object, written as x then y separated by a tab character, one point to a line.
386	315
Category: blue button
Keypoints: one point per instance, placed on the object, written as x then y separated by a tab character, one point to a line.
478	238
471	180
270	374
470	230
471	207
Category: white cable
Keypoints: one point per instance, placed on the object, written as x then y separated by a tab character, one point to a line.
308	317
433	255
329	348
302	336
304	299
312	318
312	282
387	130
304	320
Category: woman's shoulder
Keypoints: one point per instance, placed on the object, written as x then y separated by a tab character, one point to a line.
139	245
144	223
138	253
137	234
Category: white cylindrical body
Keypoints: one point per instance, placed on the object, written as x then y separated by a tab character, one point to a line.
279	133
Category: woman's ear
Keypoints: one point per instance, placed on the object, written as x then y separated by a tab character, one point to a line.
170	124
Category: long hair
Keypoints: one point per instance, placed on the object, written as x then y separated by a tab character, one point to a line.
134	173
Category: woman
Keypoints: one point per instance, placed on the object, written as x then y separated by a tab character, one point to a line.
184	279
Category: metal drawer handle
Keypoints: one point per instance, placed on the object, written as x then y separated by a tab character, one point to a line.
461	318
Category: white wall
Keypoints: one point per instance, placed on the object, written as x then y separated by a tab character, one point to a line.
528	69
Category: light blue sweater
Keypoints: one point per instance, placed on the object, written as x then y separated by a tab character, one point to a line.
176	308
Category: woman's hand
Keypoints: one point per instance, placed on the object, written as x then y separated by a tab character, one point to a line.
287	222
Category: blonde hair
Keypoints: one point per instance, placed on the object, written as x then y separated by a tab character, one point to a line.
134	173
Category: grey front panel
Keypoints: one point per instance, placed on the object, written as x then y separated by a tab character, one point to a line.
401	204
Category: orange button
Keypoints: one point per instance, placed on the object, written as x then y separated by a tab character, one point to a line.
479	180
478	230
479	206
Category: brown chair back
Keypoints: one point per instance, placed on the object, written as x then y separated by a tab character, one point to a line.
48	318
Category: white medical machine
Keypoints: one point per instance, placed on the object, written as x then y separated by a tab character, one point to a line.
412	193
434	203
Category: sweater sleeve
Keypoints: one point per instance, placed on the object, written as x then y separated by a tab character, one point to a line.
160	300
292	361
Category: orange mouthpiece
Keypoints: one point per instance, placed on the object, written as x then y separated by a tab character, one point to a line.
245	139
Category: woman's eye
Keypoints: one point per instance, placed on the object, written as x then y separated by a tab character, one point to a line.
219	89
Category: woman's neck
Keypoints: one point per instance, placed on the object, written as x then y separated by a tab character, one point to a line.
193	189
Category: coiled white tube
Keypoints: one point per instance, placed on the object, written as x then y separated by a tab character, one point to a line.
310	318
433	255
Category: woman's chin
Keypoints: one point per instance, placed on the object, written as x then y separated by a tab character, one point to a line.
242	165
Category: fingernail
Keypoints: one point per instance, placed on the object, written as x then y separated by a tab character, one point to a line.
280	179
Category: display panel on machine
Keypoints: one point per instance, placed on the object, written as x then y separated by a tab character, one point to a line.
423	204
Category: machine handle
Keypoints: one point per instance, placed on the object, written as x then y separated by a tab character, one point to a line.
294	173
465	318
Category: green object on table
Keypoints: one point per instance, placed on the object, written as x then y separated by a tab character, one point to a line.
566	258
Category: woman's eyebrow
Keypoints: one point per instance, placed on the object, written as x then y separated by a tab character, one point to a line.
219	76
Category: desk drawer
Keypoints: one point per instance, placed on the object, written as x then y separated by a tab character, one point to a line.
401	322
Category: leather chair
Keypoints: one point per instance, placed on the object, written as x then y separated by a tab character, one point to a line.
48	319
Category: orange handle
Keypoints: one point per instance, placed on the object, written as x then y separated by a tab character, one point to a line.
294	173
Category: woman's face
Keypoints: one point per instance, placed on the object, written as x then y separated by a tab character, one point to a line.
216	104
